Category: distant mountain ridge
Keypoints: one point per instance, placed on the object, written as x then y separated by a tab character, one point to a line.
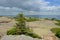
37	16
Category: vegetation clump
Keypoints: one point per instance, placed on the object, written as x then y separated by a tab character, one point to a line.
53	19
58	34
58	22
12	31
30	19
46	18
56	31
21	28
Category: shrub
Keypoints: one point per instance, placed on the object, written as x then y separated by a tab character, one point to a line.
55	30
58	22
58	34
53	19
27	32
46	18
11	32
33	35
31	19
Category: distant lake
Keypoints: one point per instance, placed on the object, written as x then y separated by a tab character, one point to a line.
38	16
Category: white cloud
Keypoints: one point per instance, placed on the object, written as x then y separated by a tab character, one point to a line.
9	10
40	7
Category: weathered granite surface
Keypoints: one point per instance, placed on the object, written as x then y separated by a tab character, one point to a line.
18	37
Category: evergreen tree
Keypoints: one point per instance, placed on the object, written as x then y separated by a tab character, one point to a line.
20	25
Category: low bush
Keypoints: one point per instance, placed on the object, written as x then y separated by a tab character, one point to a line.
53	19
56	31
11	32
58	22
31	19
27	32
46	18
33	35
58	34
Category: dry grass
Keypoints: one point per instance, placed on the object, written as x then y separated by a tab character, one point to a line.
42	27
6	26
39	27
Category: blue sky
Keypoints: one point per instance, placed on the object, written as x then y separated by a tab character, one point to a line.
30	7
54	2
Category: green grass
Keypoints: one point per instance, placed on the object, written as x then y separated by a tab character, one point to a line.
58	34
11	31
58	22
30	19
53	19
33	35
27	32
55	30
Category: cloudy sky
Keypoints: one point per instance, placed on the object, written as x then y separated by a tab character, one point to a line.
30	7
